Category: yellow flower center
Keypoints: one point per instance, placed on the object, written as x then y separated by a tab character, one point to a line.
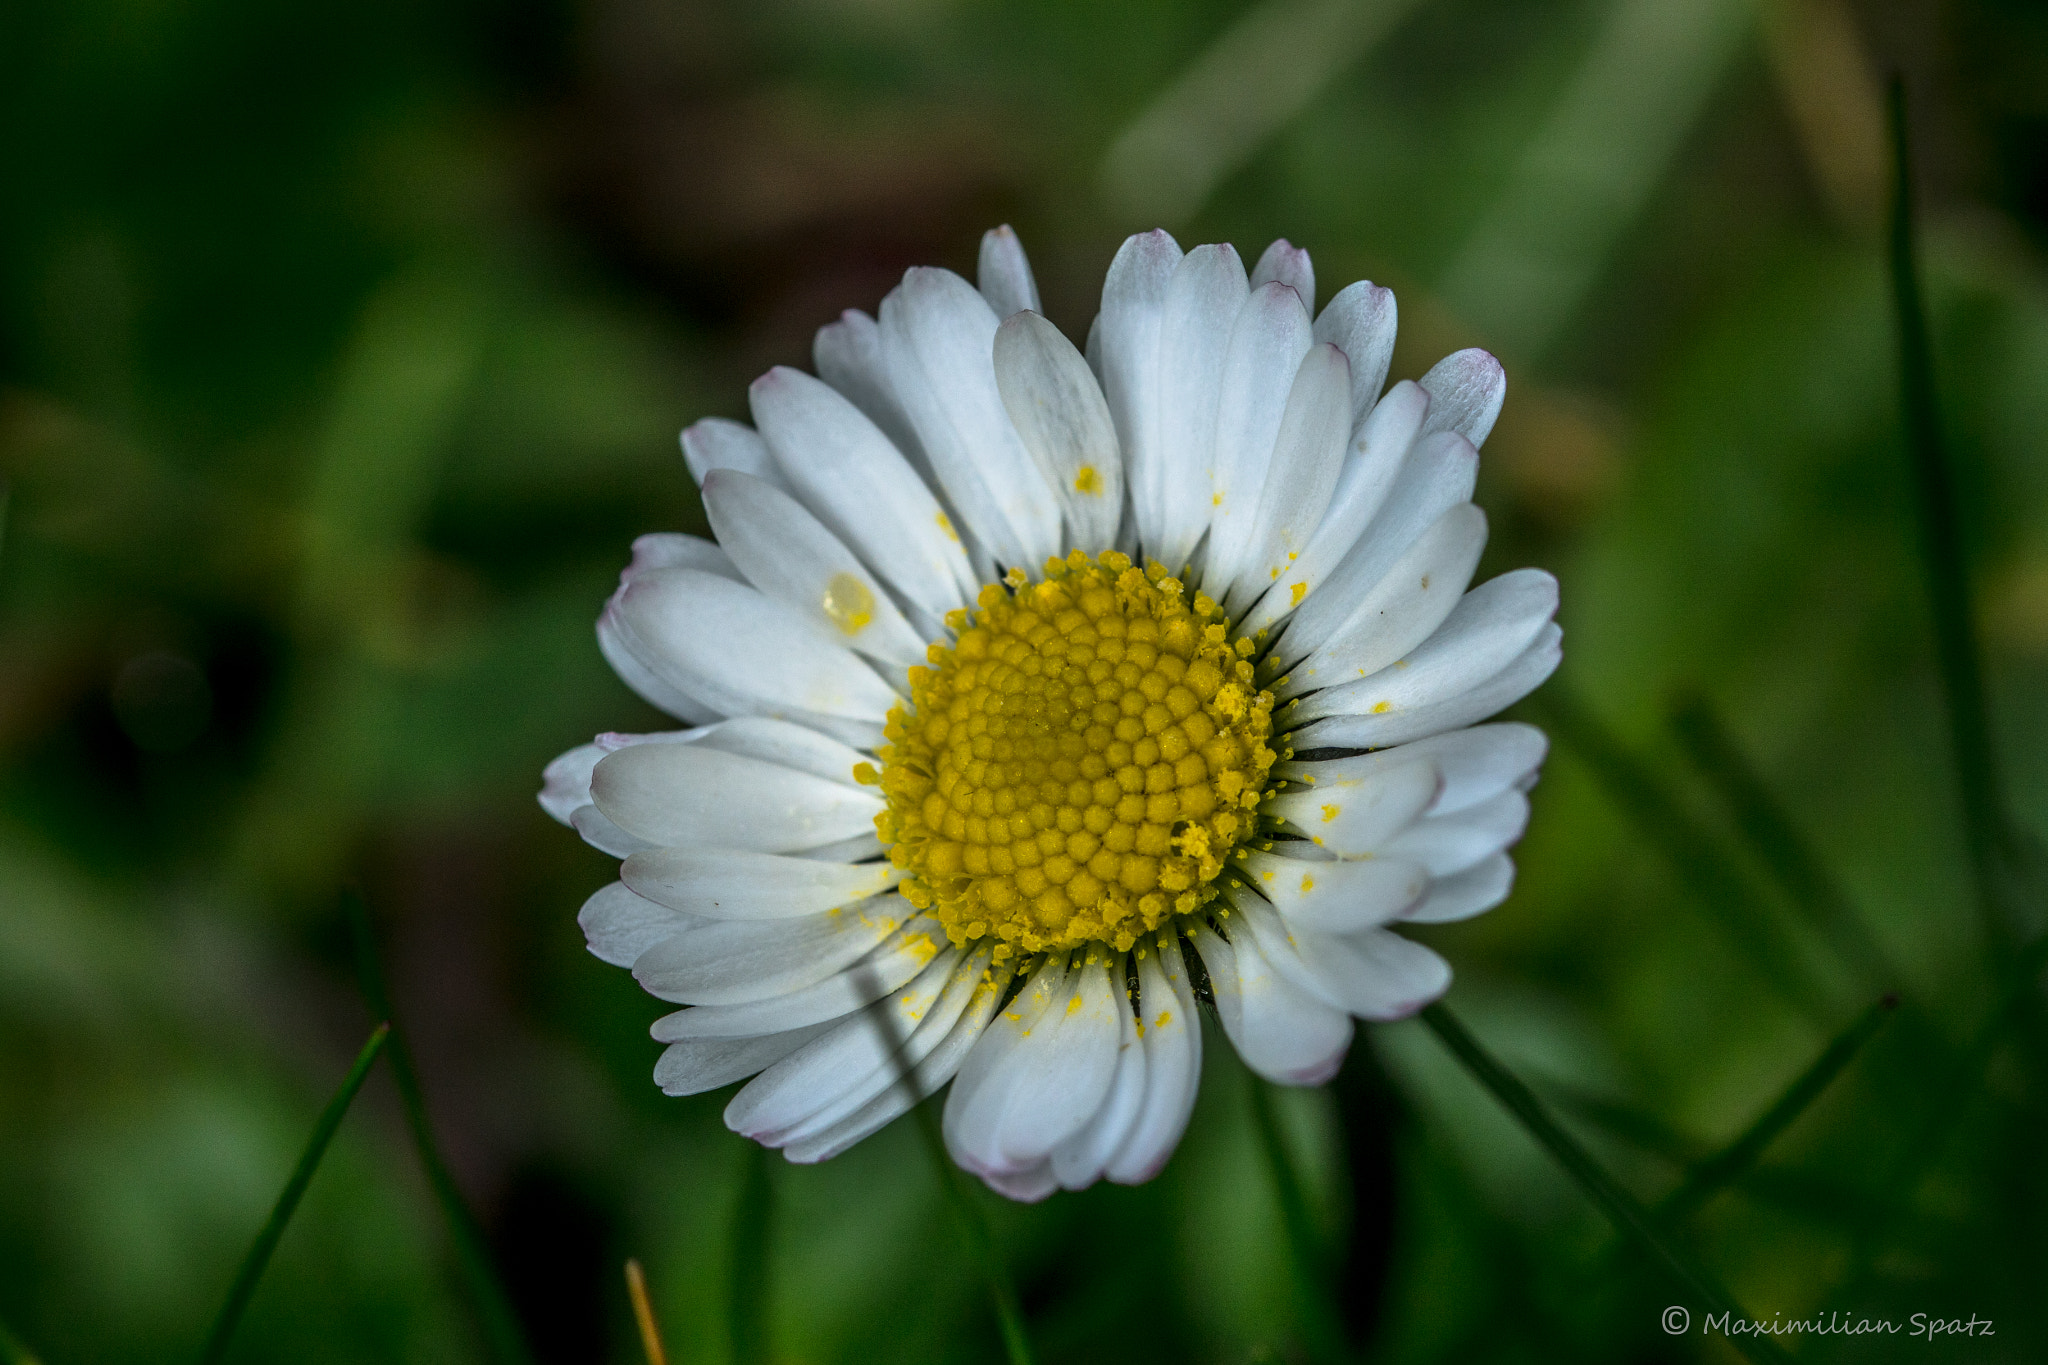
1078	764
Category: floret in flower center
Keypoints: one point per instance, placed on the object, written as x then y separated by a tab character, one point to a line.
1078	764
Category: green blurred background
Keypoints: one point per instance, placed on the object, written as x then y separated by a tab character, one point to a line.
343	349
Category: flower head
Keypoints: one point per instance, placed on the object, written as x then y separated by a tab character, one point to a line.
1039	700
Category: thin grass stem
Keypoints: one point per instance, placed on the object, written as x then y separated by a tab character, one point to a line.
1604	1190
749	1237
1986	826
1324	1329
258	1258
1728	1165
1780	848
981	1247
643	1315
1706	869
13	1350
503	1337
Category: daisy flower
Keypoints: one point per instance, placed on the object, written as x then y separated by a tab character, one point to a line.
1038	699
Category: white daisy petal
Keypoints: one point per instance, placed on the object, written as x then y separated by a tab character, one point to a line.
1080	1161
913	1023
1058	1076
1338	897
1361	321
857	481
1449	844
1378	451
780	742
700	1064
1474	891
1282	1032
1203	296
1437	475
925	1078
724	883
1375	730
818	1074
975	1105
1173	1065
674	550
746	654
1271	336
1404	609
1126	345
902	956
1308	456
938	336
788	554
619	925
1376	974
1488	629
692	795
1352	813
601	832
1062	418
1466	391
1004	274
1287	264
736	962
718	443
1475	764
565	783
848	356
656	686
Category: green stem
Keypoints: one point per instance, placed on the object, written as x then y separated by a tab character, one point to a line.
502	1334
1705	868
258	1259
1985	824
1764	822
1311	1271
1619	1206
747	1283
974	1228
1730	1162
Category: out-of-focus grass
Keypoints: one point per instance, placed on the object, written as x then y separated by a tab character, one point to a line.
342	352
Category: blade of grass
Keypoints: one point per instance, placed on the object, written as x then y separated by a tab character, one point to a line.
13	1351
1706	869
258	1259
643	1314
1603	1189
502	1334
1311	1270
1985	822
1728	1164
981	1246
746	1300
973	1228
1644	1132
1773	837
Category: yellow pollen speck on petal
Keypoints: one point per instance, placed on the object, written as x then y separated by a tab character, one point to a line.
1074	1004
849	603
946	524
1087	480
1329	812
1215	499
1077	764
1308	884
1296	593
1381	708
